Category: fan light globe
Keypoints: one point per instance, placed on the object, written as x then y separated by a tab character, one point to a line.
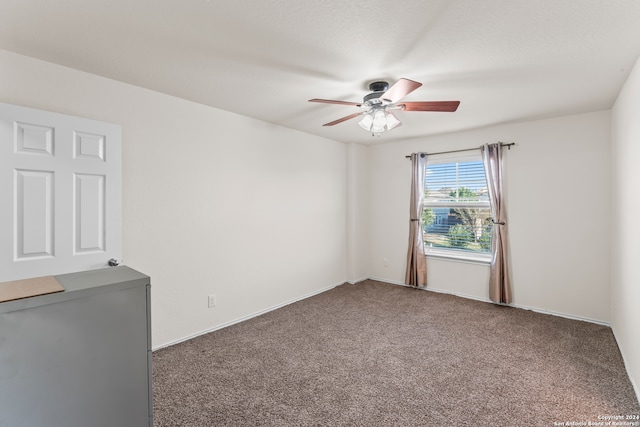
392	121
379	121
366	122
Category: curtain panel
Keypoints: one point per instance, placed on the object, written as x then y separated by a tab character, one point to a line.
416	272
499	282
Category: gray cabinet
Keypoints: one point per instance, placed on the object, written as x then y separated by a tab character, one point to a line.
79	358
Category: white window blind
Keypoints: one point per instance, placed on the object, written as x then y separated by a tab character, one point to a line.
456	216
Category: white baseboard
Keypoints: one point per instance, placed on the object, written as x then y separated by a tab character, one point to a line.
523	307
243	318
565	315
633	383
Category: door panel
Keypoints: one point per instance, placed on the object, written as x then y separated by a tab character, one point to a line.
60	193
89	217
33	214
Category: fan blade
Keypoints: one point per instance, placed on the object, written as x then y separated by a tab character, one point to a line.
445	106
400	89
330	101
344	119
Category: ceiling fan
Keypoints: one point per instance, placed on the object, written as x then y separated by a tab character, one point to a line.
376	117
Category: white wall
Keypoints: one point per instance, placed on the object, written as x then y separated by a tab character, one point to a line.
625	277
213	202
357	213
556	178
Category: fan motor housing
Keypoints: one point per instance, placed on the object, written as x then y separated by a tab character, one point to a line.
378	89
379	86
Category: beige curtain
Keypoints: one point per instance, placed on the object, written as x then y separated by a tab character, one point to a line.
499	283
416	274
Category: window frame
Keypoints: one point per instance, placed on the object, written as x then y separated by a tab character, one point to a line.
459	255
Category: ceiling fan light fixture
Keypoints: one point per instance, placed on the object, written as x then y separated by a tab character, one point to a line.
378	120
375	117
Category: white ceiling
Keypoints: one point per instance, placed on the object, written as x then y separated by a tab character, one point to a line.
505	60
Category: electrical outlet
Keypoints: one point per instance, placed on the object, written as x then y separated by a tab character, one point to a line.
212	300
386	262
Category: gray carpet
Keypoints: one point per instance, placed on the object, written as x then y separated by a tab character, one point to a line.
375	354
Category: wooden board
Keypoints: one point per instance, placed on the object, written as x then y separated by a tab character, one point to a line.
26	288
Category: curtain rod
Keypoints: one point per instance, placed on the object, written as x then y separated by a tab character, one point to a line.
502	144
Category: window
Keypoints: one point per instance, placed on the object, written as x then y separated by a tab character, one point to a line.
456	218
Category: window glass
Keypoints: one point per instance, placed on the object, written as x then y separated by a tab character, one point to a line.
456	218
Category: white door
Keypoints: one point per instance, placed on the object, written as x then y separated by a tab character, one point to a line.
60	193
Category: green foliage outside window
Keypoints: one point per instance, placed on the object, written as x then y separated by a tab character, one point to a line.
464	193
459	236
485	238
428	217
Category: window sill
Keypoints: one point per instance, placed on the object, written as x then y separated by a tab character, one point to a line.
459	257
